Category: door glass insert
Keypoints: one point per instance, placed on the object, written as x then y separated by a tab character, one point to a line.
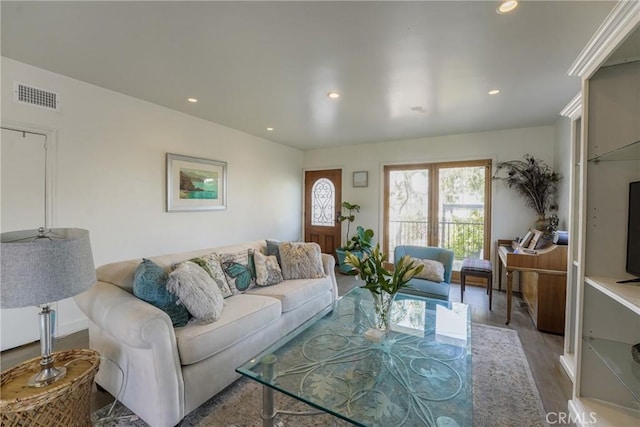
323	203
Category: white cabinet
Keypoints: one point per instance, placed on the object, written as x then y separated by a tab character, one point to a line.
606	390
574	111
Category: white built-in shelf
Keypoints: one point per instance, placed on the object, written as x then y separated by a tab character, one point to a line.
627	294
627	152
617	356
608	415
568	363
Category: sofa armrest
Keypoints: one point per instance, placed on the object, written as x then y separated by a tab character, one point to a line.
329	265
123	315
140	339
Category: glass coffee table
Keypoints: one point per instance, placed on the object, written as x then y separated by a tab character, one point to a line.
419	374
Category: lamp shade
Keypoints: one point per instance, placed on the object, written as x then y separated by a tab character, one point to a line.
39	268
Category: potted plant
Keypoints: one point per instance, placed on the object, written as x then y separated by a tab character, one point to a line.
382	283
354	244
359	245
534	180
351	207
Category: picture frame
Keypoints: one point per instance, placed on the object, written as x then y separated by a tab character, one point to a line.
361	179
195	184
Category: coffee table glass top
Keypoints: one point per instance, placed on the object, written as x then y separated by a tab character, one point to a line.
419	374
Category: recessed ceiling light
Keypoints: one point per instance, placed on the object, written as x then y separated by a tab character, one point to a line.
269	129
494	91
192	100
333	95
507	6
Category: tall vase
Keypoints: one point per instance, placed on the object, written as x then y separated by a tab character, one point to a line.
382	303
542	223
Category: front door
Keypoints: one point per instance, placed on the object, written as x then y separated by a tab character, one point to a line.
22	198
322	199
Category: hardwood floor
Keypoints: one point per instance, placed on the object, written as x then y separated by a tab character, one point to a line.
542	350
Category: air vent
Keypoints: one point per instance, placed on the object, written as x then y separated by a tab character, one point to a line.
35	96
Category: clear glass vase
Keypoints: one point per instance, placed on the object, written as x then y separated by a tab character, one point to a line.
382	303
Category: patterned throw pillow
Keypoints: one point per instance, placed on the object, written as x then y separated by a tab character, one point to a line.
150	285
301	260
433	270
211	264
197	291
267	270
240	270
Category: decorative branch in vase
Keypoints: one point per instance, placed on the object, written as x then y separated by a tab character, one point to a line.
535	181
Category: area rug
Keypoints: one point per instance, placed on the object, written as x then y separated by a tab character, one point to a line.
504	394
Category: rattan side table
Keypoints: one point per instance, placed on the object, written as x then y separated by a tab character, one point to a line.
63	403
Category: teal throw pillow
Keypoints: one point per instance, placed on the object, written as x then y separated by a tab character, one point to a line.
240	270
150	285
273	248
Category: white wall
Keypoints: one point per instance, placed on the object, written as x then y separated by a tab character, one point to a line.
110	174
562	164
510	217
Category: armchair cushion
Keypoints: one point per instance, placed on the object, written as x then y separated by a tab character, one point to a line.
433	270
424	287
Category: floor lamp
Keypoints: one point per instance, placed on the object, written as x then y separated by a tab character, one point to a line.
39	267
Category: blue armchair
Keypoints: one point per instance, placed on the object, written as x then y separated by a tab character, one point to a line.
423	287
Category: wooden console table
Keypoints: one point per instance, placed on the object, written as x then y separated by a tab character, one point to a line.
543	282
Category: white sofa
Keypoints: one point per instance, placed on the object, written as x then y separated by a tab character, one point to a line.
171	371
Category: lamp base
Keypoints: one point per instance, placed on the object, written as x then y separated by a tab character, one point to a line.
47	375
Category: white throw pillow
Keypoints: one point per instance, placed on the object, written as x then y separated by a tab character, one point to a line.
210	263
301	260
197	291
433	270
267	269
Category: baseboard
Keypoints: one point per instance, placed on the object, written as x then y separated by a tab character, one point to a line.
568	364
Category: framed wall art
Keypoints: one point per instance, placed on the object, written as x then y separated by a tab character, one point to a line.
195	184
361	179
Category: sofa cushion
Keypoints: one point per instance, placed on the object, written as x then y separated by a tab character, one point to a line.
150	285
240	270
197	291
301	260
433	270
267	269
210	263
294	293
243	315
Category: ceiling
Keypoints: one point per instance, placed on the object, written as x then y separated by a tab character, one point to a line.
403	69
